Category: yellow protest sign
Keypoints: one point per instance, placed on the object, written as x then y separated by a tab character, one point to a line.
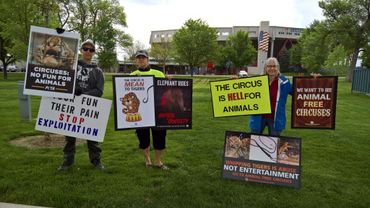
238	97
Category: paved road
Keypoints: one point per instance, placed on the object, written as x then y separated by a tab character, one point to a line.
8	205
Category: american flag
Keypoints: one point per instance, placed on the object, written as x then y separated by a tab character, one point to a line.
263	41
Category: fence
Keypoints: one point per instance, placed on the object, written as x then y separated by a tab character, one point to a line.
361	81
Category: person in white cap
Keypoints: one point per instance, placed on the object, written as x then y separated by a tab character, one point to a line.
89	81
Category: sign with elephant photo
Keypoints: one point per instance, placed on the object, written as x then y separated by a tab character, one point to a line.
144	101
173	103
51	63
262	159
314	102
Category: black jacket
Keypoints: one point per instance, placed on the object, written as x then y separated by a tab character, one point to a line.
89	80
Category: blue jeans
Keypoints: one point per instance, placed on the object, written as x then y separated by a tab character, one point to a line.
270	126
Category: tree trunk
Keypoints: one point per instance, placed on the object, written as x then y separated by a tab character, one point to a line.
352	65
5	72
191	70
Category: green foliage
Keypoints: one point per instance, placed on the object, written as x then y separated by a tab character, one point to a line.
222	61
335	163
337	61
99	20
239	49
365	56
17	16
162	52
133	48
349	22
295	54
314	43
195	43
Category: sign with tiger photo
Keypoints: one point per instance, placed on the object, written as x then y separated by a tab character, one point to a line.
51	63
263	159
146	101
133	102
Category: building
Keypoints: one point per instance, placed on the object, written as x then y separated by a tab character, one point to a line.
278	38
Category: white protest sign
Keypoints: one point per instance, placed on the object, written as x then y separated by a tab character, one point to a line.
84	117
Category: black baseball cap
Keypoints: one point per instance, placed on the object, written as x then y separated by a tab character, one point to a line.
142	53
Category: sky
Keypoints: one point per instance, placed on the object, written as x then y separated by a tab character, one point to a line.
144	16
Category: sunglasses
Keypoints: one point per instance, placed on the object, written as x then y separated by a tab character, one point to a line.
89	49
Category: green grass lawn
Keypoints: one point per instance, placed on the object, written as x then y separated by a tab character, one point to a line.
335	164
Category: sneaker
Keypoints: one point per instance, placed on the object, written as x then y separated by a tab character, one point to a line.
163	167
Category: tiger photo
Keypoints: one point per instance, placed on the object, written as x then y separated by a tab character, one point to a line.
130	107
237	147
54	53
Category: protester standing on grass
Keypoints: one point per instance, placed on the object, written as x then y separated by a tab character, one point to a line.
280	87
143	134
89	81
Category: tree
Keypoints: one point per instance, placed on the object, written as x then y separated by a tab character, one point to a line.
315	46
98	20
16	18
349	22
162	52
337	61
295	54
239	49
365	56
195	43
222	61
132	49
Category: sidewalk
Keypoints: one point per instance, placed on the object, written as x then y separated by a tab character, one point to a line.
7	205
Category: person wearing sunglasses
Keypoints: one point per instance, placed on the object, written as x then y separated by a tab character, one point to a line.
89	81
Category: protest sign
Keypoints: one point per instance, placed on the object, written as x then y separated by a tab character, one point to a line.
173	103
247	96
84	117
133	102
51	63
262	159
314	102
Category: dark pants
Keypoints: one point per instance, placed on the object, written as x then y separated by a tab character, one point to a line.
70	150
159	138
270	126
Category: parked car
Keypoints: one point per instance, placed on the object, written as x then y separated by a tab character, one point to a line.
242	73
12	68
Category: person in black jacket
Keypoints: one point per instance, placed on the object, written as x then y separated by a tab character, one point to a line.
89	81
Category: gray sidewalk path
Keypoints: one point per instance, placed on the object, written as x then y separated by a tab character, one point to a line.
8	205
